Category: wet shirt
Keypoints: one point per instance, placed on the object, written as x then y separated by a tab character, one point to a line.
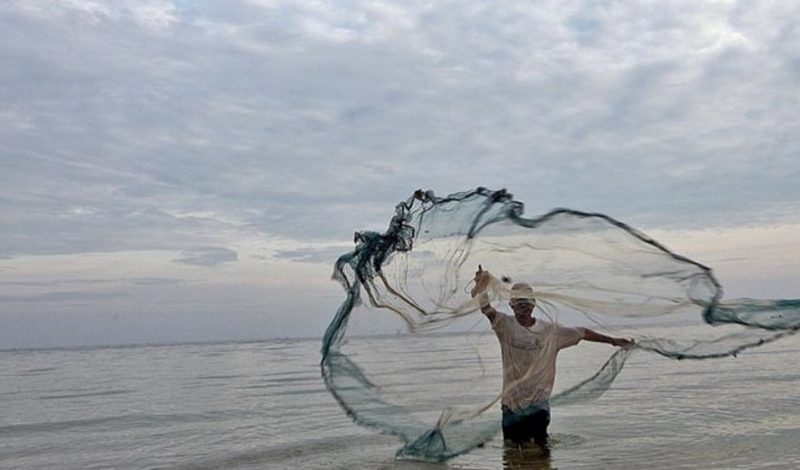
529	358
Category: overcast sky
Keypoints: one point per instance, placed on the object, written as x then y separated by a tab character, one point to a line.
189	170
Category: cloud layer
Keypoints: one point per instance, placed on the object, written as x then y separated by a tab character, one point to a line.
267	131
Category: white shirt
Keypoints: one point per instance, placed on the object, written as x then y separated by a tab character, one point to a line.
529	358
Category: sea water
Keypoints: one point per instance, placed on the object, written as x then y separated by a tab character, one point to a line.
263	405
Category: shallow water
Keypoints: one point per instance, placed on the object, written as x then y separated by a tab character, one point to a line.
263	405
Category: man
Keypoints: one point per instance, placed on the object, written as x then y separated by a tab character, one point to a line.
529	347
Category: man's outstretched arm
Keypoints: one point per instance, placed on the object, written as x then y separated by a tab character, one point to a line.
591	335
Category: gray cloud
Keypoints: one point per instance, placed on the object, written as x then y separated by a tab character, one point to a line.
141	281
312	254
112	135
208	256
158	125
155	281
63	297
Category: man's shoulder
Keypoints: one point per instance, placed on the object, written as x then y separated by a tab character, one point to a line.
551	323
558	328
501	319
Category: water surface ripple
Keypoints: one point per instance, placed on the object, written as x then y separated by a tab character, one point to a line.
262	405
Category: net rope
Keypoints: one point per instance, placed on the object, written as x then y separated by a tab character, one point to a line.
587	265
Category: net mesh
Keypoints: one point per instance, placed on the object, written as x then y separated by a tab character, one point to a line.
587	268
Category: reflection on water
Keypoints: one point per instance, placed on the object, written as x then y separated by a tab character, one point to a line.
533	457
526	457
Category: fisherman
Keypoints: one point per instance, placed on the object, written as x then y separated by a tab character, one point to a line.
529	347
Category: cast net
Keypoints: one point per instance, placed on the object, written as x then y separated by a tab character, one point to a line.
437	382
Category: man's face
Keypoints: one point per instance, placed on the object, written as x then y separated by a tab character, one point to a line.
522	307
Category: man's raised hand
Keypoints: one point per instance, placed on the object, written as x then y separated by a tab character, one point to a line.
482	279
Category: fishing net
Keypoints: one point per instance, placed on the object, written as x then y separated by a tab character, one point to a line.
441	395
